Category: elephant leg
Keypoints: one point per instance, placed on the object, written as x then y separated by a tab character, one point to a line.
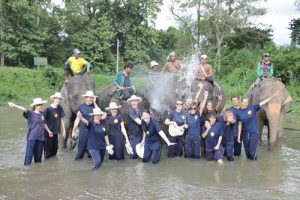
273	114
67	123
279	132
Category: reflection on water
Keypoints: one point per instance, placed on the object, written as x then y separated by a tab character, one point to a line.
275	175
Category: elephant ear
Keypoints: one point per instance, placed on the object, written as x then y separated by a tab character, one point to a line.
287	97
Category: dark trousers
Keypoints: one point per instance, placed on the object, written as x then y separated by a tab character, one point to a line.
237	147
228	148
210	80
192	146
250	141
118	142
152	151
70	71
212	154
34	149
97	156
82	142
51	146
177	149
135	139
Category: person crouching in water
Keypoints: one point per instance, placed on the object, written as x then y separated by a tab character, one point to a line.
117	134
228	123
134	123
97	137
192	144
54	119
36	130
212	131
176	117
152	131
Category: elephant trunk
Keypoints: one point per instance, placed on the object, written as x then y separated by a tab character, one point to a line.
273	115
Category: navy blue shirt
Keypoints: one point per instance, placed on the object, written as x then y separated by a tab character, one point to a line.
213	135
36	125
248	118
85	111
228	130
152	130
53	118
114	124
96	138
194	123
235	125
133	127
178	117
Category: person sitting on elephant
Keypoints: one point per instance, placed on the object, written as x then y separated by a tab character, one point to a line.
122	82
116	131
228	122
213	133
76	65
234	109
248	127
264	69
205	71
85	109
173	65
153	74
134	123
177	117
151	138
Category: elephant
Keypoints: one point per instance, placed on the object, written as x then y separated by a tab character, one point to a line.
272	113
71	93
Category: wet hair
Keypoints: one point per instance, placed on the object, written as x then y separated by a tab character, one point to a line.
169	57
146	111
212	114
234	96
128	65
193	105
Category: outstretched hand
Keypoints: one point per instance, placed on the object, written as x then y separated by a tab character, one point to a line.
171	143
10	104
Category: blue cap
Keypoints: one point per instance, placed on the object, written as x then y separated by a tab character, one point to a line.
76	51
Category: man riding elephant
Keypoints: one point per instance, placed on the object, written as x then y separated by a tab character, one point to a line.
76	65
205	71
264	69
173	65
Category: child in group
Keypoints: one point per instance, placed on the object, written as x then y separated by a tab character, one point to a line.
97	136
116	131
212	131
54	119
36	128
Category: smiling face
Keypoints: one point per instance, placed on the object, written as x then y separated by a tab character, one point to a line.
134	103
235	101
89	100
57	101
212	119
146	117
209	106
245	103
114	112
97	118
39	107
179	105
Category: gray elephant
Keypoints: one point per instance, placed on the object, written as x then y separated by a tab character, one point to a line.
71	93
273	112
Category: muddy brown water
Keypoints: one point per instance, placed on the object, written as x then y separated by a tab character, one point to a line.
275	175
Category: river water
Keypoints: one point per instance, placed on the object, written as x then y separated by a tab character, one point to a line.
275	175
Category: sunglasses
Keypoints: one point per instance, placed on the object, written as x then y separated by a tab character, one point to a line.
179	104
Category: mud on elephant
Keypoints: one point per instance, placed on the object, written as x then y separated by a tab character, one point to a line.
273	112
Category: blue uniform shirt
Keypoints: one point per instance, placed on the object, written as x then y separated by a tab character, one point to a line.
178	117
36	125
96	136
114	124
248	118
228	130
213	135
53	118
152	130
235	125
133	127
194	123
85	111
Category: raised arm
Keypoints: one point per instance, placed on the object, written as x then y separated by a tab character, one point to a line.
219	104
267	99
164	137
12	105
202	105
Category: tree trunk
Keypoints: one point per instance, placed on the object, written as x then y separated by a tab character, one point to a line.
2	59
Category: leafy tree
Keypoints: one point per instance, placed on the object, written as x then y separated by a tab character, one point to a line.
295	28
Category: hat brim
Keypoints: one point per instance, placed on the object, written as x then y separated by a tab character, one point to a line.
39	103
111	108
135	99
92	114
53	96
84	95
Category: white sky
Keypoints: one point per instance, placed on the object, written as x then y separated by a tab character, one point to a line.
279	14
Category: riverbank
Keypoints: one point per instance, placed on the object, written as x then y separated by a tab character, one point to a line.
22	84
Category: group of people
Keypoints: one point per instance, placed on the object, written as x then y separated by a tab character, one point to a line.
195	128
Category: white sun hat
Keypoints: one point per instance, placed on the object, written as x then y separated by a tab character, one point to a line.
175	130
153	63
203	56
112	105
37	101
89	93
97	111
139	148
134	98
56	95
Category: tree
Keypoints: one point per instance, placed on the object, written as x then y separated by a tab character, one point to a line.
295	28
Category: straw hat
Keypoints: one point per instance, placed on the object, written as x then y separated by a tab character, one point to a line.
134	98
139	148
56	95
203	56
89	93
153	63
97	111
37	101
175	130
112	105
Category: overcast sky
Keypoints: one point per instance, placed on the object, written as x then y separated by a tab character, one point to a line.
279	14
